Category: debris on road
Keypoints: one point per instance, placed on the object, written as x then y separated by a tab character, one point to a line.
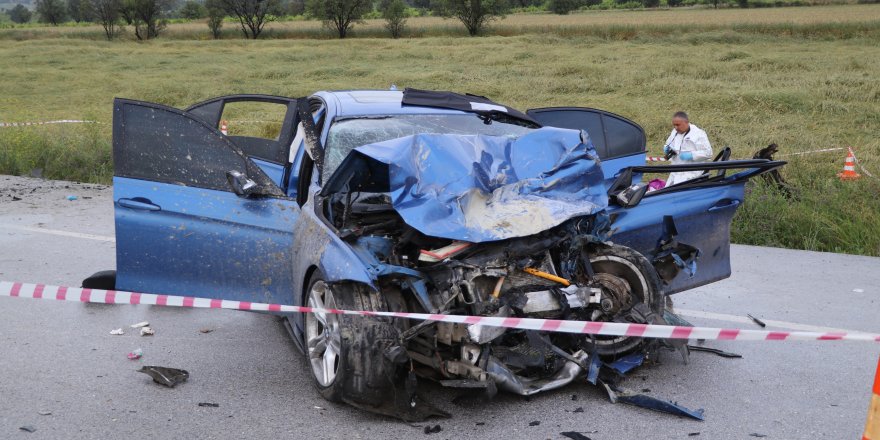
136	354
206	330
209	404
71	197
626	363
535	423
432	429
755	434
169	377
721	353
648	402
757	321
574	435
693	434
140	324
147	331
117	331
854	290
44	413
28	428
579	409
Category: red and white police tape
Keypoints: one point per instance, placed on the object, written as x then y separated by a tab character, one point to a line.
42	291
655	159
60	121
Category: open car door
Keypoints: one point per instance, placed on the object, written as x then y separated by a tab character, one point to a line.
684	230
195	214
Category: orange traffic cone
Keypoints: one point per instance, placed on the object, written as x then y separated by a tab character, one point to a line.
849	167
872	426
224	128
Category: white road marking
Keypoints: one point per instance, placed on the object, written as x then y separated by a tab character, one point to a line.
769	322
61	233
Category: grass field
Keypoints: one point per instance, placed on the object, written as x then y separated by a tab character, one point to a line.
745	89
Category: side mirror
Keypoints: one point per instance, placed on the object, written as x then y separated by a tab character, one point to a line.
632	195
240	184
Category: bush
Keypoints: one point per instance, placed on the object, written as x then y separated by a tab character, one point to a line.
216	14
394	13
19	14
474	14
650	3
52	11
340	15
192	10
563	7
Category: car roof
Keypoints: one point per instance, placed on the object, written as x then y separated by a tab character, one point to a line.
350	103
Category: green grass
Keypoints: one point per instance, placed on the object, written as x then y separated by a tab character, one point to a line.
811	89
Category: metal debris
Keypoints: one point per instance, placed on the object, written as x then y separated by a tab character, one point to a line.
757	321
631	398
721	353
140	324
574	435
535	423
626	363
432	429
44	413
169	377
209	404
28	428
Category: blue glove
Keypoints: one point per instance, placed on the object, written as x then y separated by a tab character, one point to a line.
686	155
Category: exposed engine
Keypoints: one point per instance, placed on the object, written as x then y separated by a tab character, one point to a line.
567	272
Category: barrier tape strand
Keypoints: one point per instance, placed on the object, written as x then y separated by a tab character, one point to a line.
61	293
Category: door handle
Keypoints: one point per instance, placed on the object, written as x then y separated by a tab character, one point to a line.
730	204
138	203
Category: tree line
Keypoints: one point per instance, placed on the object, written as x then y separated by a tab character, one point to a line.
148	18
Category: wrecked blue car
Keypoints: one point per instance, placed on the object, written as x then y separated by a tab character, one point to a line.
417	201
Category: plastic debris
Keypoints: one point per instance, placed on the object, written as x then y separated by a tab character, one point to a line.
579	409
209	404
535	423
693	434
319	407
206	330
432	429
140	324
169	377
625	364
755	434
574	435
854	290
117	331
28	428
136	354
44	413
147	331
71	197
595	366
16	199
757	321
721	353
648	402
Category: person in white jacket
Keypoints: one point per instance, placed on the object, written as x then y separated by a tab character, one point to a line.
686	144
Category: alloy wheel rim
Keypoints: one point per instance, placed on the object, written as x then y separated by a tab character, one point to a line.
323	337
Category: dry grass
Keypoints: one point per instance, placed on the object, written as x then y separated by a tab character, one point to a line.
744	90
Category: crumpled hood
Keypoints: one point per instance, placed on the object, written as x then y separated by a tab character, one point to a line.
480	188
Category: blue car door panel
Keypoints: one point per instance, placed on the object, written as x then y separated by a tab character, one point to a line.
179	227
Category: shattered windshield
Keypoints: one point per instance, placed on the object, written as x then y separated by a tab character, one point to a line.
348	134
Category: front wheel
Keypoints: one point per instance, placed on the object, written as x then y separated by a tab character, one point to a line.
629	279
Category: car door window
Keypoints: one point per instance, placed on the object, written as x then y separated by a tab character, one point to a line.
575	119
158	143
622	138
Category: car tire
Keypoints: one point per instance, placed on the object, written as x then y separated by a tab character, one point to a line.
645	288
347	353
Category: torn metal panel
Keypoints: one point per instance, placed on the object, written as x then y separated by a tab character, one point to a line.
508	381
626	363
652	403
479	188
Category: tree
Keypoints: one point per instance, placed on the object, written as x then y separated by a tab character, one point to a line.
394	13
474	14
80	10
253	15
339	14
107	13
743	3
145	16
216	14
192	10
563	7
650	3
51	11
19	14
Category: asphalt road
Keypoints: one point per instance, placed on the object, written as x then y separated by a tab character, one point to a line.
59	358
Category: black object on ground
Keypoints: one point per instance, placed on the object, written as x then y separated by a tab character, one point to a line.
209	404
757	321
693	434
535	423
28	428
574	435
721	353
432	429
579	409
169	377
755	434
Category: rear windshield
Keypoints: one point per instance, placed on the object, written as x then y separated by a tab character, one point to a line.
348	134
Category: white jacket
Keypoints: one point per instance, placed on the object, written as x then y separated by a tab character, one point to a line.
695	142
